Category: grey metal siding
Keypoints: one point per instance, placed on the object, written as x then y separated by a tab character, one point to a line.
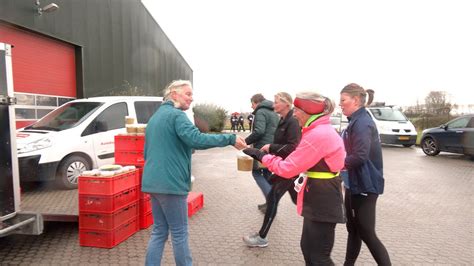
121	46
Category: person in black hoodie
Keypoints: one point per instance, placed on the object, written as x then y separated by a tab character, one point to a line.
286	138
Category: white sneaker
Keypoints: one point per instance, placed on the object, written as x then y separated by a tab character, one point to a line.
255	241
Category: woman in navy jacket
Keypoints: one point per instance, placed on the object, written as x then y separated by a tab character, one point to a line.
365	180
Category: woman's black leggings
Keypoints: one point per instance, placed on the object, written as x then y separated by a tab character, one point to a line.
280	186
360	225
317	241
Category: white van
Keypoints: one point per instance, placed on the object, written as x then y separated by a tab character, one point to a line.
393	126
339	122
77	136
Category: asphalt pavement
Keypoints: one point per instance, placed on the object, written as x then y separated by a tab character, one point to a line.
425	216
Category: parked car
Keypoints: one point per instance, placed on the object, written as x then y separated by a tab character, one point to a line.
393	126
77	136
456	136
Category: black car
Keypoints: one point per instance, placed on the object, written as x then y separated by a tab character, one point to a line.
456	136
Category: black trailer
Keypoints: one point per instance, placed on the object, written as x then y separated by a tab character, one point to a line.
12	220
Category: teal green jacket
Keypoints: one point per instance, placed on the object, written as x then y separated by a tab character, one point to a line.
169	140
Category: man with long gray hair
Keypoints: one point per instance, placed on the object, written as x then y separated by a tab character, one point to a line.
169	140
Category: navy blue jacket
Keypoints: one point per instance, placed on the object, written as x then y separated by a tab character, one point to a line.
364	154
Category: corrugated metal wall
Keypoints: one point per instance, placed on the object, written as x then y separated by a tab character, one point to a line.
118	44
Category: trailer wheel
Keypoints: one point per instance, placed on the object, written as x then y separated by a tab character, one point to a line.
69	171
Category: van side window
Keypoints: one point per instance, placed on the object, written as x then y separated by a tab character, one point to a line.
111	118
145	109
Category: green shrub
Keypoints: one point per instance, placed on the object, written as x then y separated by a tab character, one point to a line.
429	121
209	117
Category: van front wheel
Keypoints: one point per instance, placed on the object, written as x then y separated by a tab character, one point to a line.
69	171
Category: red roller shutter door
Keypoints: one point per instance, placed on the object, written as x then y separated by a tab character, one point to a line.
41	65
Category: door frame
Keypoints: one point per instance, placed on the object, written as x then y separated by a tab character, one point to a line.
6	51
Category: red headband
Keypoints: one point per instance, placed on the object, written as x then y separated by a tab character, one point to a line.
309	106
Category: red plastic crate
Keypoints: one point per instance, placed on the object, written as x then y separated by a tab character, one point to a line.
107	203
107	221
145	206
195	202
144	195
140	174
129	158
129	143
108	238
108	185
146	220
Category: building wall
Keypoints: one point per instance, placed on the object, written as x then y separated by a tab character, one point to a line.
119	48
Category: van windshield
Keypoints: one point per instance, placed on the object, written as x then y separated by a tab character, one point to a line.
388	114
67	116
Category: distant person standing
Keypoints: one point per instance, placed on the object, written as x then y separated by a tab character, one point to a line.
250	118
169	141
364	165
233	122
241	123
263	131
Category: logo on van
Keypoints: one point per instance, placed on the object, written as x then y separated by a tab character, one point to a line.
22	135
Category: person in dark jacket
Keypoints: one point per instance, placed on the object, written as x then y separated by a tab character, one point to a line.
169	141
264	126
287	137
233	122
319	157
250	119
365	175
241	123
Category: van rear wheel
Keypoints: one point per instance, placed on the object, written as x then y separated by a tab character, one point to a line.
69	171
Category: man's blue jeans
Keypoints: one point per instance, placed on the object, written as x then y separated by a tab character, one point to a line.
262	176
170	214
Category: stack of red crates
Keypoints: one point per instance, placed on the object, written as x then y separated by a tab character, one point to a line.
129	151
108	209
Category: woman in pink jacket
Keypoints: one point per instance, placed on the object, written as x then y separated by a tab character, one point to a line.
319	157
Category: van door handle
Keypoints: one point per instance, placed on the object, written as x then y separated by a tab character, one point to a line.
459	131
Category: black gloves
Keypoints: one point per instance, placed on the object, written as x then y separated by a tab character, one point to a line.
254	153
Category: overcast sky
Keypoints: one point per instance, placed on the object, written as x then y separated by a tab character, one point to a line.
401	49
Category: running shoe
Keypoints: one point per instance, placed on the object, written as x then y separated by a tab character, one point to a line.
255	241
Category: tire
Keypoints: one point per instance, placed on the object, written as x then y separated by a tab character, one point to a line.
429	146
407	145
69	170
